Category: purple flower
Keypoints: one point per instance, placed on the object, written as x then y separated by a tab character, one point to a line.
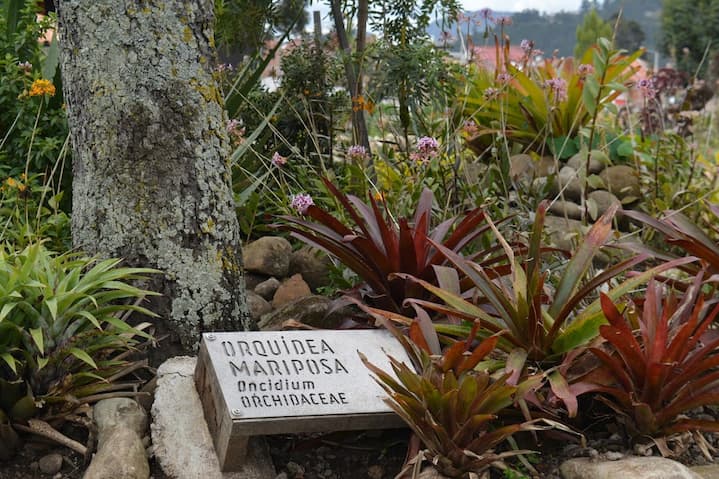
527	46
486	14
585	69
278	160
25	66
224	67
647	87
470	127
301	202
558	86
232	125
491	93
357	153
504	78
504	21
427	147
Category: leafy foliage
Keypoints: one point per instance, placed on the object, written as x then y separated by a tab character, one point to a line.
450	405
665	367
33	128
63	335
590	30
553	100
680	231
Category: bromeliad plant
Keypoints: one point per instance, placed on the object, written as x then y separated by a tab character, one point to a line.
680	231
534	105
662	367
378	246
449	404
537	325
64	340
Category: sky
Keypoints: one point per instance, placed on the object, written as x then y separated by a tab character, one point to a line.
548	6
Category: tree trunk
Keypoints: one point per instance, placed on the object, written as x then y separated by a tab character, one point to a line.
151	175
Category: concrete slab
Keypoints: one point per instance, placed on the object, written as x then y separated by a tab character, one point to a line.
181	440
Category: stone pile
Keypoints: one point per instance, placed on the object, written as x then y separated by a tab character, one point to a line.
608	184
283	284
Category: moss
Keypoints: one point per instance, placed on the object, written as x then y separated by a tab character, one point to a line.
187	34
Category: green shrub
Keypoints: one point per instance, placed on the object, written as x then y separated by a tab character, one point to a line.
63	335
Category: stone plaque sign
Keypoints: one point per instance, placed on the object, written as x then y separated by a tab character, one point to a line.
271	382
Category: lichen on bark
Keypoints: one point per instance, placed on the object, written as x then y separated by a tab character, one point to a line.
151	181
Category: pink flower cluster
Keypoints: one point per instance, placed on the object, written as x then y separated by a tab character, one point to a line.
357	153
427	147
585	69
647	87
278	160
301	202
558	87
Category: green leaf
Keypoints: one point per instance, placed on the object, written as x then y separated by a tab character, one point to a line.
12	16
49	67
51	304
36	334
83	356
625	149
10	361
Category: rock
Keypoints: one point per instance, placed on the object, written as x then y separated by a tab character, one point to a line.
257	305
375	472
121	423
710	471
598	160
631	467
50	464
313	265
119	412
563	233
568	180
311	310
267	288
521	167
290	290
546	166
252	280
623	181
269	255
603	199
121	457
566	208
182	443
431	473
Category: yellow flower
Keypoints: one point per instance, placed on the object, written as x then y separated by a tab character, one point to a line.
378	196
11	182
21	187
42	87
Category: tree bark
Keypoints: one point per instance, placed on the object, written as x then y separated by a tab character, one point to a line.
151	174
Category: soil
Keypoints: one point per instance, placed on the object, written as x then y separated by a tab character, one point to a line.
380	454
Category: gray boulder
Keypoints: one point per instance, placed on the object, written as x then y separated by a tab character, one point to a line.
623	181
632	467
121	423
257	305
311	310
568	181
267	288
566	208
598	160
313	265
269	255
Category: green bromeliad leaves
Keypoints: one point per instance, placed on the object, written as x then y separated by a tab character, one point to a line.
519	104
62	325
449	405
